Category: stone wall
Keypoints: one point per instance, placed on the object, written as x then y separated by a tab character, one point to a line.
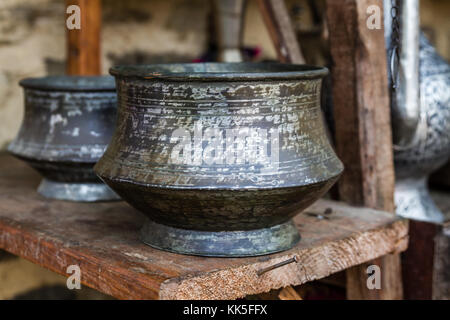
32	41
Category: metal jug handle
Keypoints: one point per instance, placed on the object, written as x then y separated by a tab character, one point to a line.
408	120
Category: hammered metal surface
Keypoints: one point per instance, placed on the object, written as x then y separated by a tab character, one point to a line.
240	189
67	125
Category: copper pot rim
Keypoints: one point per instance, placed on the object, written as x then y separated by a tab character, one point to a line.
70	159
69	83
218	71
294	185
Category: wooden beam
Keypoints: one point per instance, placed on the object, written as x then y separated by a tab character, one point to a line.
418	260
278	23
289	293
426	263
363	128
441	265
83	45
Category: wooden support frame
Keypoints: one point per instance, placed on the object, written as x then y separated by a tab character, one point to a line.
363	129
430	246
83	45
278	23
419	276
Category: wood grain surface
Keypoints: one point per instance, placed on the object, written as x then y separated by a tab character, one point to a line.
102	238
278	23
363	128
83	45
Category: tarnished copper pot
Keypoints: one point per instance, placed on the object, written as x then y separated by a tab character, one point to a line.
67	125
219	156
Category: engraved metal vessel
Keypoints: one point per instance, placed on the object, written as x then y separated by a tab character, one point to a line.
219	156
67	125
414	165
420	104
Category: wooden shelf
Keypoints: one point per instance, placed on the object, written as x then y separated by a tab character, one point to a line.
102	239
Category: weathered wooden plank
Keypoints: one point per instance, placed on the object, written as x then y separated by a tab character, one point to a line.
278	23
441	262
102	238
441	266
417	262
363	130
289	293
361	105
83	45
426	264
315	262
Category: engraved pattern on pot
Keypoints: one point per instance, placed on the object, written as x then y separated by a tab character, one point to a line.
236	204
414	165
67	124
297	118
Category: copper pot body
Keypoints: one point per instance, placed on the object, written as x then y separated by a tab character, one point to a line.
219	156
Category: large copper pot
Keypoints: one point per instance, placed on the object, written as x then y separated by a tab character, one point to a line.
219	156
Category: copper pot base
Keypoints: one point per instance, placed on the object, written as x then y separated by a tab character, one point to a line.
221	243
80	192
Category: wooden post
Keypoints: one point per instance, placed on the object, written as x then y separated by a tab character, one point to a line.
279	25
83	45
426	264
276	18
363	129
441	264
